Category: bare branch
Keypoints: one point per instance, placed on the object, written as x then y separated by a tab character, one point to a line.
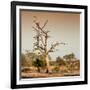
47	31
41	47
39	35
39	28
45	24
35	29
35	44
63	43
35	19
53	47
41	39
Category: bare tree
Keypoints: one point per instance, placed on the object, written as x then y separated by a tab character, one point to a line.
41	43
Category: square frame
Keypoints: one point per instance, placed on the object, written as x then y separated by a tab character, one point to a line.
14	5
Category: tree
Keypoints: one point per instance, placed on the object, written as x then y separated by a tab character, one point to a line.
69	56
41	43
60	61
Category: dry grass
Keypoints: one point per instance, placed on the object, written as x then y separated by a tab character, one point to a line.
39	75
33	73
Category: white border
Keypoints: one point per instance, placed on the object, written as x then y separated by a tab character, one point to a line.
58	79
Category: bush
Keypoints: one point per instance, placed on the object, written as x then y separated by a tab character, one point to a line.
56	69
38	63
60	61
23	60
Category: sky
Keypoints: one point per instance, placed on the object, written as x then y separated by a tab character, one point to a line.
63	27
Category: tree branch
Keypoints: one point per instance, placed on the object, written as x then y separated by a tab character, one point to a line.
53	47
45	24
35	29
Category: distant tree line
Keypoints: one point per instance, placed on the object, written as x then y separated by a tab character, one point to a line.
31	60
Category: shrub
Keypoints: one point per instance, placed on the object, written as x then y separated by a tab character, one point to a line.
55	69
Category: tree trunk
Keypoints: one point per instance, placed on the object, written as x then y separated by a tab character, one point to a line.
38	69
47	64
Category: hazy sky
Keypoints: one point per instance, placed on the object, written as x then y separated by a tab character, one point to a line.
63	27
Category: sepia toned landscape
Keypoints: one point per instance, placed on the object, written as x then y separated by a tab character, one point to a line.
51	45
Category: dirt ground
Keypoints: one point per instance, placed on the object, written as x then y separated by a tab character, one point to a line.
39	75
43	75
